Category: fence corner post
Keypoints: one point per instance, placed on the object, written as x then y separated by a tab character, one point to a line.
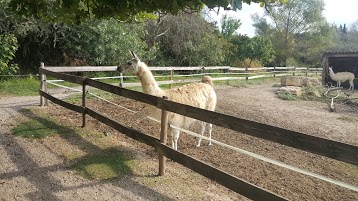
163	139
43	86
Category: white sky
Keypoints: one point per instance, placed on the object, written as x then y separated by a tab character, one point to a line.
336	11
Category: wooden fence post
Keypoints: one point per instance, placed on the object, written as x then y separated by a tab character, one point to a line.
121	79
247	73
294	70
307	71
274	73
43	86
163	139
171	78
84	83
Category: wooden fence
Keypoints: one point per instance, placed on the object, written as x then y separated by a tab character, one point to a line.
221	73
324	147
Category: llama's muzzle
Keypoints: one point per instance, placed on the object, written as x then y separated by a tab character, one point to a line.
120	68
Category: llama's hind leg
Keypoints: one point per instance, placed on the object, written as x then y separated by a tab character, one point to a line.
175	136
203	126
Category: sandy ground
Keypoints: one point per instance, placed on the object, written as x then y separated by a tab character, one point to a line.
35	170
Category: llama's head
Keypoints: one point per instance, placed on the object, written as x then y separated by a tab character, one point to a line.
131	65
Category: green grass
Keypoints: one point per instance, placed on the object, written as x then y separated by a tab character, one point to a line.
37	128
246	83
287	96
108	164
349	119
20	87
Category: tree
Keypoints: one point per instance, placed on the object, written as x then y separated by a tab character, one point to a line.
189	41
229	25
345	39
290	22
256	48
127	10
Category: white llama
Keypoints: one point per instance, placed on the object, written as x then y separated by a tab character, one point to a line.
342	77
201	95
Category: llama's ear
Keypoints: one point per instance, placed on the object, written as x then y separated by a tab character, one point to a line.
134	56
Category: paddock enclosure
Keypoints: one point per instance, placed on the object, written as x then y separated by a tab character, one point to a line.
340	62
208	161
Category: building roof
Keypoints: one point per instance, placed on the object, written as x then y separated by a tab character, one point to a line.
345	54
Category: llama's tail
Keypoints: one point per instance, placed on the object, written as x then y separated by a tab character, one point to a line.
207	80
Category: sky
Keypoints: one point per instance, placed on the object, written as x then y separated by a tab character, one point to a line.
336	11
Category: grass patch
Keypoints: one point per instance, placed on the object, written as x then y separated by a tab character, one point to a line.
37	128
287	96
20	86
246	83
109	164
349	119
308	94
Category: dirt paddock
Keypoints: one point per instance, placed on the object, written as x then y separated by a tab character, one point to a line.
257	103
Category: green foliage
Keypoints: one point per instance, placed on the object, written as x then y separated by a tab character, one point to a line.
107	42
189	41
8	47
293	23
79	10
255	49
229	25
247	63
20	87
344	38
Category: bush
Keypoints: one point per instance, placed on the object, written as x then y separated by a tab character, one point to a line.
8	47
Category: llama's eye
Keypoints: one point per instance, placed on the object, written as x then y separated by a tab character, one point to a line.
129	62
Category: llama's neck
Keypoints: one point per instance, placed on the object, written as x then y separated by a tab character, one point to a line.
332	74
149	85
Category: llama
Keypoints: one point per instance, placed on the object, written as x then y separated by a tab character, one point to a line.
342	77
201	95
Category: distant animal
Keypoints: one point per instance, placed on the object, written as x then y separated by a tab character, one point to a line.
342	77
201	95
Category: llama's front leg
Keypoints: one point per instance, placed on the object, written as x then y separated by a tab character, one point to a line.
210	129
203	125
175	136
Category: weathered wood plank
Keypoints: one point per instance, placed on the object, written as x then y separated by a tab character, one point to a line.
69	78
229	181
145	98
324	147
81	68
62	103
130	132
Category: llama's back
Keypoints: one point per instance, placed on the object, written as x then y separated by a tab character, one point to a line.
345	76
201	95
